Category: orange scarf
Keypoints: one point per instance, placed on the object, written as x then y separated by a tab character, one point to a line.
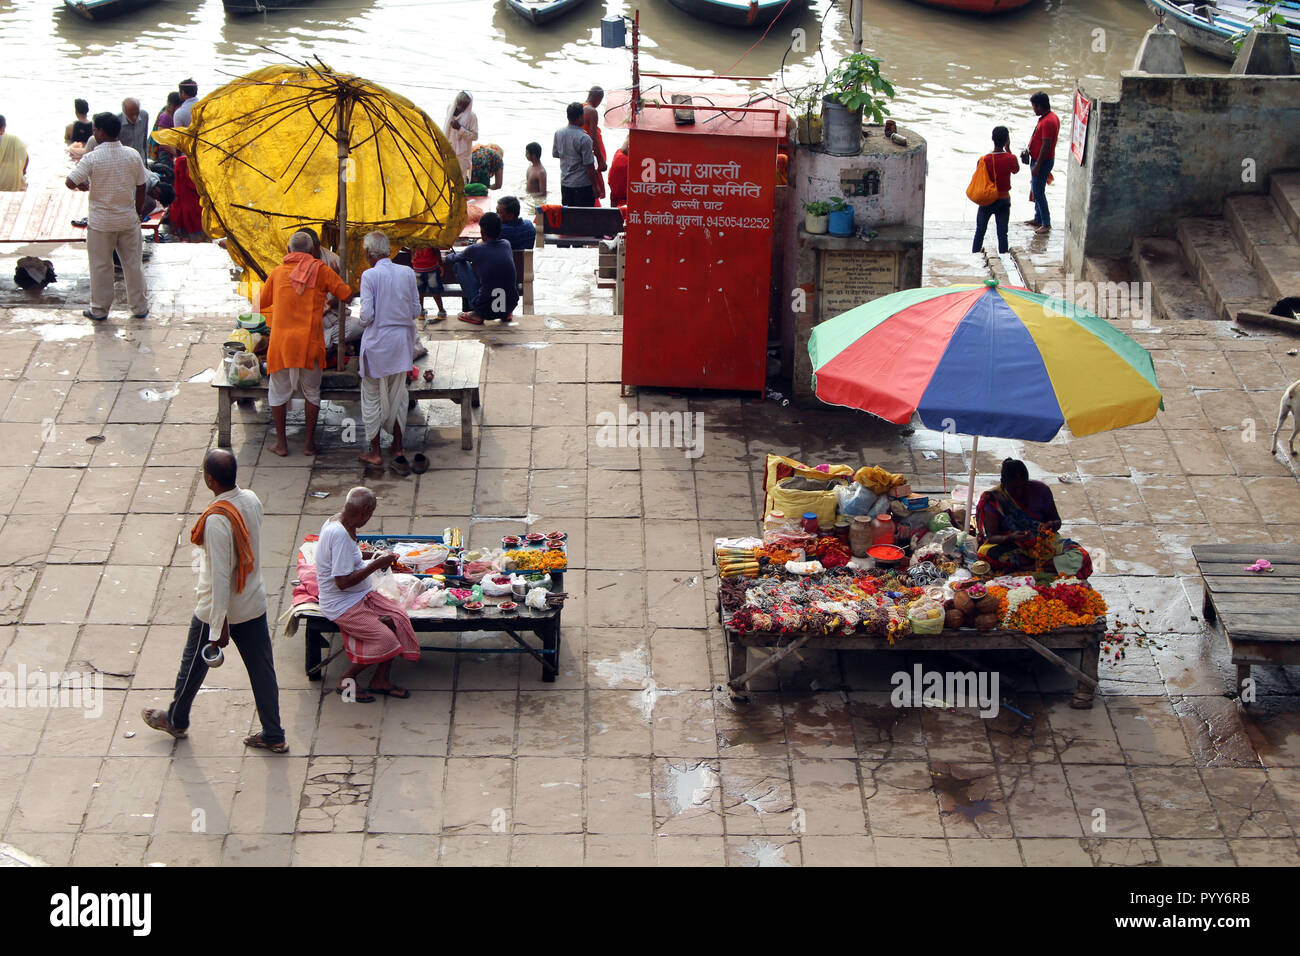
305	269
239	531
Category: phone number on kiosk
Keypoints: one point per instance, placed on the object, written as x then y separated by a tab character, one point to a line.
740	222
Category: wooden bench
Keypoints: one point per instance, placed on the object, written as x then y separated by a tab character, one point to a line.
457	366
1258	610
580	225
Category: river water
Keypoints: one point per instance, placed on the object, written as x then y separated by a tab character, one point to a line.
956	76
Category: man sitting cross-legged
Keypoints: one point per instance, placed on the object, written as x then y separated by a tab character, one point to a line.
375	630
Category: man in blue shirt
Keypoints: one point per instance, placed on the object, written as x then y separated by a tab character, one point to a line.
487	274
520	233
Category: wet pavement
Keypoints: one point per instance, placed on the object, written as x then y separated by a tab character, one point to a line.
634	755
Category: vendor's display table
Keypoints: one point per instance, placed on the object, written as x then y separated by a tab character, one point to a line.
1088	640
1258	609
545	625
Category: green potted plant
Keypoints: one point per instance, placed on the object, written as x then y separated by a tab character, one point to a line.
808	115
815	217
840	218
854	90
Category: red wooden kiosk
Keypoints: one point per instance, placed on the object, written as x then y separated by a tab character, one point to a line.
699	233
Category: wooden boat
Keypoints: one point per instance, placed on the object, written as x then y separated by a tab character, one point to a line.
242	8
539	12
1210	26
739	13
103	9
977	6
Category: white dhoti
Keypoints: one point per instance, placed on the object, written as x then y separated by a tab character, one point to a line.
286	381
383	403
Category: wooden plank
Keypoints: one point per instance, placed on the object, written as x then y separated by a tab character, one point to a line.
1224	569
1274	552
1257	584
465	370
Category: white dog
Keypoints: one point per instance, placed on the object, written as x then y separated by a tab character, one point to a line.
1290	406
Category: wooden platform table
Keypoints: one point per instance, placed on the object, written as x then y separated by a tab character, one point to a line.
1258	611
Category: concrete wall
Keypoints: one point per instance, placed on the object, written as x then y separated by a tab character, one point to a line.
1171	147
815	175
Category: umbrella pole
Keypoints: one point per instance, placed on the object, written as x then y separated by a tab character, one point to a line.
970	487
341	137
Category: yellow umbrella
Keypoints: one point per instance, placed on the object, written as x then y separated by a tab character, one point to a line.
286	146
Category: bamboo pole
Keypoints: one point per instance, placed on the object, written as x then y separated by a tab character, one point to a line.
341	138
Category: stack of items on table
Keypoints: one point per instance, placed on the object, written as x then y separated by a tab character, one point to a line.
435	572
858	553
245	348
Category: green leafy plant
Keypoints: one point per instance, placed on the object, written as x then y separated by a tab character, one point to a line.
808	100
856	83
837	204
817	207
1266	17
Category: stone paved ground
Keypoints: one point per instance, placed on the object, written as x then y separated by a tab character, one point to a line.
632	756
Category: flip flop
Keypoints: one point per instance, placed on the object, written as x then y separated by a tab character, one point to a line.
360	698
419	464
397	693
401	466
258	742
470	317
157	719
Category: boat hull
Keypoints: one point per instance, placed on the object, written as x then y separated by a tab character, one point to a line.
976	6
104	9
540	14
759	14
1197	33
243	8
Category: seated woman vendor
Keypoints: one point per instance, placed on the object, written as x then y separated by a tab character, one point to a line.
1012	518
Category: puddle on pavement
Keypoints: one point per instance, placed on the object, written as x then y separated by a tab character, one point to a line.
958	790
764	853
690	786
206	375
154	395
553	323
51	332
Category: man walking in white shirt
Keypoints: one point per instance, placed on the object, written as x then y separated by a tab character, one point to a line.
390	304
231	597
115	178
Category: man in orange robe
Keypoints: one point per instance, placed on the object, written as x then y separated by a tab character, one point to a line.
293	301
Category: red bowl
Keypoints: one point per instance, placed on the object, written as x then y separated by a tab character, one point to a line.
885	553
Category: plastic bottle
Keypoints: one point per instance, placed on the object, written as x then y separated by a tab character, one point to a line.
860	536
775	521
882	529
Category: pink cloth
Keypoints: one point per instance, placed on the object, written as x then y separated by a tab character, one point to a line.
368	640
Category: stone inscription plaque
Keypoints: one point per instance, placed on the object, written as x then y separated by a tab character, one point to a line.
849	279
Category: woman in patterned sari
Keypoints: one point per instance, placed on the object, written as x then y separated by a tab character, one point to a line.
1010	519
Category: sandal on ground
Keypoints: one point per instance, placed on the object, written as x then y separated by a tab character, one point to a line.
258	742
401	465
470	317
361	697
157	719
419	464
397	693
91	315
1042	230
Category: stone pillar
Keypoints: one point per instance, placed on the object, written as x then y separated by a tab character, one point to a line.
1265	53
1160	52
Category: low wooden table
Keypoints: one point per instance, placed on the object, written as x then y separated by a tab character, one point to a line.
457	366
1086	639
1258	611
544	624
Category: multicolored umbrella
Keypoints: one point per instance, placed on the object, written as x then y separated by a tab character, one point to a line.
984	360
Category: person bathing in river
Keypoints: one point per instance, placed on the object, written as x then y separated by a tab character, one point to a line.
1012	516
461	128
81	129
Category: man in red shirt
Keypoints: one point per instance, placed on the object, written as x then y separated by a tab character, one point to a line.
1041	156
1002	163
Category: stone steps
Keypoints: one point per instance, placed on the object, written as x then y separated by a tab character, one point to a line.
1269	243
1175	293
1225	274
1285	190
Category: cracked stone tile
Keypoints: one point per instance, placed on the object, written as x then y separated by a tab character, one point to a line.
828	797
883	731
755	729
1246	803
911	851
819	725
1194	853
1105	799
1175	802
1149	731
1016	739
757	796
901	800
1038	801
1217	731
763	851
687	796
1265	852
336	794
970	802
955	735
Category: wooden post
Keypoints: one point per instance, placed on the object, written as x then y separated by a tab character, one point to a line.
341	137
